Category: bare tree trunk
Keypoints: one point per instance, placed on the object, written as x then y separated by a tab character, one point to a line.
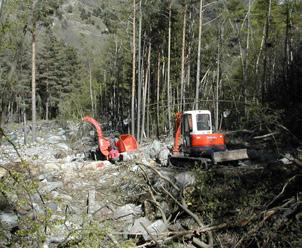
157	95
47	100
286	46
198	56
145	92
217	83
267	26
1	7
168	73
8	112
133	71
47	109
246	61
33	84
183	58
139	89
91	90
24	127
148	99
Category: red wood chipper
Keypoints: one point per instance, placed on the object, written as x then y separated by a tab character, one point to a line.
109	148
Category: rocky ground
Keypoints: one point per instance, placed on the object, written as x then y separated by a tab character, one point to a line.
54	195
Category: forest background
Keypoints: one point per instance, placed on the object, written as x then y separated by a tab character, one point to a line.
143	60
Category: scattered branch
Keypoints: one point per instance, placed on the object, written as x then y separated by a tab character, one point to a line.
161	175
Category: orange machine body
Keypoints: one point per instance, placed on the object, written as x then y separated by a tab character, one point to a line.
194	130
126	143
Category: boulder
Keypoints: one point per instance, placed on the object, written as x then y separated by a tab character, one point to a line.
60	154
185	179
55	139
50	186
163	156
3	172
156	229
8	220
127	212
62	146
154	149
50	167
138	226
91	203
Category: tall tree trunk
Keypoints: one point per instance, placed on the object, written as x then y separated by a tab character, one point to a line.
9	111
133	71
145	91
217	83
198	57
286	46
148	100
182	76
246	61
33	84
157	95
24	127
267	27
1	7
91	90
139	89
168	73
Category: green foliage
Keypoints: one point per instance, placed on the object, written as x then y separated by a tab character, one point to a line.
256	52
261	116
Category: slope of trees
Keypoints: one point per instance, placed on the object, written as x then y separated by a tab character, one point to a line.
235	56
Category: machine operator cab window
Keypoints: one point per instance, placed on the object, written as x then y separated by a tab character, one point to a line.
196	122
203	122
187	128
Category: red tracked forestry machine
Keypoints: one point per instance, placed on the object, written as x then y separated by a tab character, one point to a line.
198	143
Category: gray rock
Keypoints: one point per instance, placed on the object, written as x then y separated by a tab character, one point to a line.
39	140
63	146
3	172
4	202
138	228
53	206
163	156
155	229
38	209
61	132
56	139
91	201
185	179
50	186
12	136
135	168
60	155
8	220
51	167
127	212
45	176
78	157
155	148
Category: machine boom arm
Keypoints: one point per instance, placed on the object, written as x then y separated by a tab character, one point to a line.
175	148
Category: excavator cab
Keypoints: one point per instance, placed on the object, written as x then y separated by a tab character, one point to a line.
197	137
